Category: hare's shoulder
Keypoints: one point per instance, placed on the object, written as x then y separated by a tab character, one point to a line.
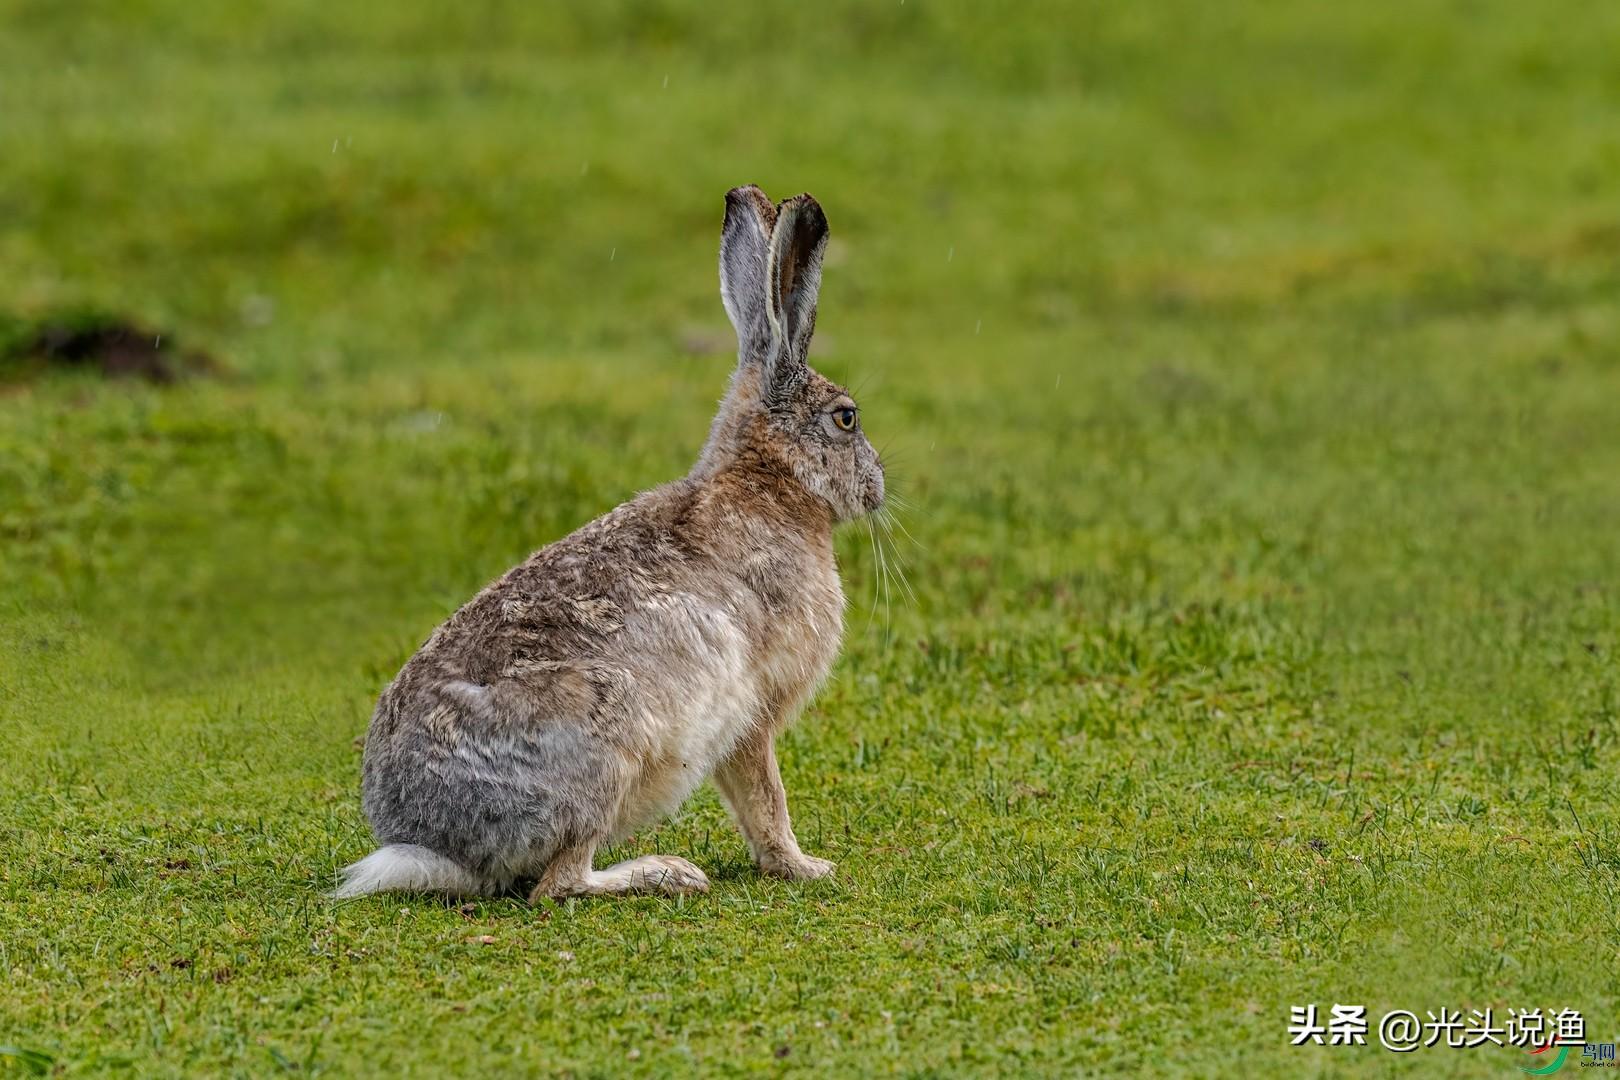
567	599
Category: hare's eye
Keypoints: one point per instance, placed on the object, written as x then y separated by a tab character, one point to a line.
844	418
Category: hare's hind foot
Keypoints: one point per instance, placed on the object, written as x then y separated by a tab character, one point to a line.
570	874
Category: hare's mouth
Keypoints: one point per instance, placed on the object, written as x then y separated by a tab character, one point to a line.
874	494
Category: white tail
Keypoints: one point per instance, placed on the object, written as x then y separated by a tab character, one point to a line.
405	868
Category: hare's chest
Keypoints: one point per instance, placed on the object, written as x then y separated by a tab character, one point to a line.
802	639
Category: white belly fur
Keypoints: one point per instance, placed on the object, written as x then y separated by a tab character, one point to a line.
714	685
693	719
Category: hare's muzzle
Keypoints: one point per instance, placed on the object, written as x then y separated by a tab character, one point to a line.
873	496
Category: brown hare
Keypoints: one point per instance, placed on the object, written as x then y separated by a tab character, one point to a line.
592	688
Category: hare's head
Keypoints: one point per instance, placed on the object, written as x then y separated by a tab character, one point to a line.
779	412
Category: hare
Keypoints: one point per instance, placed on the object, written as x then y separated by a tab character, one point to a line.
592	688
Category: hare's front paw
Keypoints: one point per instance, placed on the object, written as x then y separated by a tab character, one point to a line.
797	867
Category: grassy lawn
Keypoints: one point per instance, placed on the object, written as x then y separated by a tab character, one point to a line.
1253	373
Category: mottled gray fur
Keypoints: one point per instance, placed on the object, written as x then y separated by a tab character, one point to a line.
589	690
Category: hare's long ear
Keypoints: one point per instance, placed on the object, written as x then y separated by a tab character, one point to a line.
798	243
745	242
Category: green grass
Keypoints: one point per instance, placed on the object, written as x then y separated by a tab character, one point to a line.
1254	372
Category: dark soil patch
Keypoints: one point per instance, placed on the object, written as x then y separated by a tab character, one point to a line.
105	345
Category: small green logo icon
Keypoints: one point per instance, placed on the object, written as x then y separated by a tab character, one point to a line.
1552	1066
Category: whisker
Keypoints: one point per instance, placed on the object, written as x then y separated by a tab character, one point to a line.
891	523
898	500
886	520
894	522
871	612
890	456
883	565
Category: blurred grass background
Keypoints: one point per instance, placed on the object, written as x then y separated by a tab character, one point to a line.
1253	370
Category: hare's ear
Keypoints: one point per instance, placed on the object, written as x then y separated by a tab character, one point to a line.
745	242
798	243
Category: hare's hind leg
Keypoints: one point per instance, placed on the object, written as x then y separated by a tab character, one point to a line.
570	874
